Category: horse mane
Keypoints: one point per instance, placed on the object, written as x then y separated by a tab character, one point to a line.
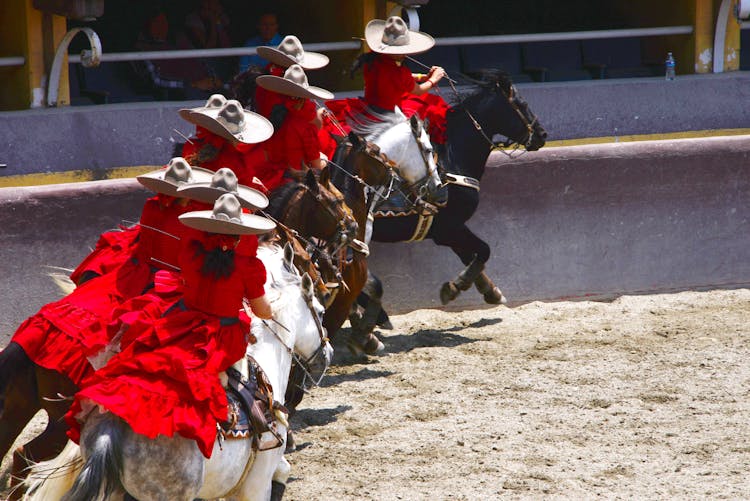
280	198
487	79
243	85
372	128
279	277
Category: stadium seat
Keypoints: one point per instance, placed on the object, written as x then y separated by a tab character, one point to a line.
554	61
505	56
615	58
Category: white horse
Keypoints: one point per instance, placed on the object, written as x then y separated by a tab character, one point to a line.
112	459
406	143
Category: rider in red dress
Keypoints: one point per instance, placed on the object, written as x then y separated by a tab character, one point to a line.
166	378
63	334
226	136
389	83
294	146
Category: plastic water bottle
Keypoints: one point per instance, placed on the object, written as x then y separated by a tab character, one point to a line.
670	67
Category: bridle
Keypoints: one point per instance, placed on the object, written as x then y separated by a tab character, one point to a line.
512	99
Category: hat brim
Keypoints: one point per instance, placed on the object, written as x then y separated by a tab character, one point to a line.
155	181
418	42
249	224
293	89
256	128
249	198
310	60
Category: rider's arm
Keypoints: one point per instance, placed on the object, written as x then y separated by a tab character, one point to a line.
433	77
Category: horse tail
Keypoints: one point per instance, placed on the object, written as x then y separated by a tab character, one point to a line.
13	361
100	475
52	479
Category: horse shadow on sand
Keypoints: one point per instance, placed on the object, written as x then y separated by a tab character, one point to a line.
435	338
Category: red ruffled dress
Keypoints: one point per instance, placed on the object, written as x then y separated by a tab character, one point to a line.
292	146
166	378
64	334
210	151
389	84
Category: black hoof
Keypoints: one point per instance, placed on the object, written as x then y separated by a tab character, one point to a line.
370	345
448	292
291	445
277	491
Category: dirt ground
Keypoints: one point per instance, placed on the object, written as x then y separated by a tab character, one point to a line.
644	397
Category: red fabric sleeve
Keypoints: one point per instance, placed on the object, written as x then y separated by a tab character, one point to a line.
254	275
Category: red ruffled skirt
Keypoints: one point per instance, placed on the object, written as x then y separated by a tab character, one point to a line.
111	252
64	334
166	378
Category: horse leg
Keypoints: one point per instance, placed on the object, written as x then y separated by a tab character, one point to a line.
492	295
20	401
280	478
370	300
472	250
49	387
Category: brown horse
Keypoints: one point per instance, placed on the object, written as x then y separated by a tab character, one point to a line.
313	209
360	168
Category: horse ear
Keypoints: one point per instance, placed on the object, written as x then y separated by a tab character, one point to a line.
415	124
354	139
289	255
325	175
307	286
311	182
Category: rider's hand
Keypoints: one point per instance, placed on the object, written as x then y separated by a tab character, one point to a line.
436	74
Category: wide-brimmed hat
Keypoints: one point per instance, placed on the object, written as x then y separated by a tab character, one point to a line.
224	181
227	218
232	122
215	101
177	173
290	52
293	83
392	36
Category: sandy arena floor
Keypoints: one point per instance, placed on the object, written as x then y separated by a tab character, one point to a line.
643	397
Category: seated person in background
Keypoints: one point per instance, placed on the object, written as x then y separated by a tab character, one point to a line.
171	78
268	34
208	28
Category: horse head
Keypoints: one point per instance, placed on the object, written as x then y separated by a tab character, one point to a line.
296	328
314	208
498	108
406	143
366	161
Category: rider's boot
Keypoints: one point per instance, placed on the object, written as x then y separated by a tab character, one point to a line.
491	293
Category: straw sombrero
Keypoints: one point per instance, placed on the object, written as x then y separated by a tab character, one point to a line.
215	101
290	52
177	173
227	218
293	83
232	122
224	181
394	37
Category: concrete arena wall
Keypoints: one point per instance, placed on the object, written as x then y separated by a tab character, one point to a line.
576	222
96	138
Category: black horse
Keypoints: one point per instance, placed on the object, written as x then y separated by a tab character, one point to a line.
494	107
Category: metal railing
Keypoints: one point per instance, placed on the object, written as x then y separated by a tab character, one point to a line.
443	41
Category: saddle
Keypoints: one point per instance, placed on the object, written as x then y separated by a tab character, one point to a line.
251	408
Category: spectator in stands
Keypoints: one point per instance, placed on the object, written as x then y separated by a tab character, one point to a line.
268	34
172	79
208	28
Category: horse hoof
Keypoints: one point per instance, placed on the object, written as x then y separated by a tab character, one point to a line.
386	325
448	292
495	296
373	346
291	445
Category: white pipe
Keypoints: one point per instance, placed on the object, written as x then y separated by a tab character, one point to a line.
336	46
720	35
12	61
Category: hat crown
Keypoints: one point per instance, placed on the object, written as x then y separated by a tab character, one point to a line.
296	74
395	31
232	116
215	101
178	171
225	179
227	208
292	47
